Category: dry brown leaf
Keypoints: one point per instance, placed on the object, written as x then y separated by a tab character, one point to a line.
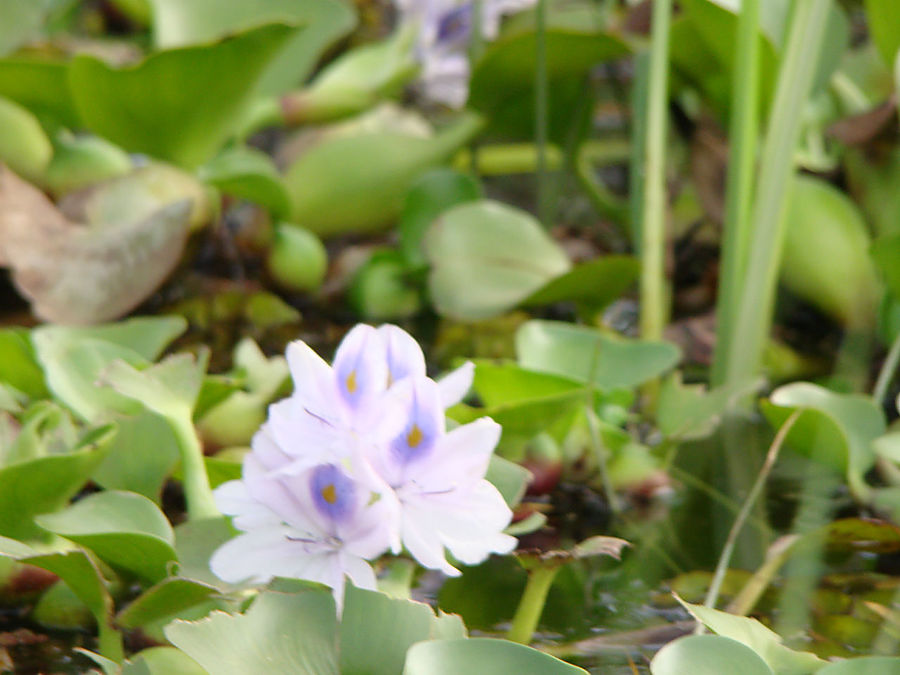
76	274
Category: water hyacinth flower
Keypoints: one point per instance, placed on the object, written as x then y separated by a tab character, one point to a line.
357	460
445	32
320	524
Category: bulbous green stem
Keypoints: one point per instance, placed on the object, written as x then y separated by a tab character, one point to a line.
531	604
197	492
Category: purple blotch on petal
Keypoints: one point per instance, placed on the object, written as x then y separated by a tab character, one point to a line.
333	492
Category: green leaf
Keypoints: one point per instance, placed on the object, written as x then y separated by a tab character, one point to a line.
19	367
836	430
510	479
502	81
706	655
141	456
47	484
195	542
435	192
73	359
41	85
764	642
335	193
376	631
126	530
485	656
279	634
692	411
153	107
486	258
178	24
168	388
163	601
161	661
883	20
249	174
595	284
885	252
864	665
587	355
499	384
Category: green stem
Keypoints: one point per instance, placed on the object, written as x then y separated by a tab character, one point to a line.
653	236
887	372
541	93
639	94
743	133
795	78
531	605
712	594
197	492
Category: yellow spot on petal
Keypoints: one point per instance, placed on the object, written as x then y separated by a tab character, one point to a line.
351	382
414	437
329	494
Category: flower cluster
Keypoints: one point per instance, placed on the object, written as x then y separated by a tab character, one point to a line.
445	32
356	462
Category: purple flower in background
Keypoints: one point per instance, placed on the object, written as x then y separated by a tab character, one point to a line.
445	32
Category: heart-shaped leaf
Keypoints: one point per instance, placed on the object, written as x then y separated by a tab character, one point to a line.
706	655
153	107
587	355
594	284
486	258
124	529
163	601
836	430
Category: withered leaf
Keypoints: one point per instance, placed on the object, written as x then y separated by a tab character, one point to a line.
78	274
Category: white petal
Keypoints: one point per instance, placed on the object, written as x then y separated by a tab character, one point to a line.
256	556
460	458
456	384
423	542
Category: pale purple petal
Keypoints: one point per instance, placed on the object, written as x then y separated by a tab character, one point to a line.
424	543
460	458
404	356
360	366
456	384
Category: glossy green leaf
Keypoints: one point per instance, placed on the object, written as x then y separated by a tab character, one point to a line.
46	484
124	529
847	535
523	418
481	655
595	284
280	634
886	254
883	20
486	258
836	430
164	600
19	367
764	642
178	24
141	456
498	384
707	655
195	542
148	336
376	631
588	355
249	174
874	183
153	108
435	192
863	665
333	192
41	85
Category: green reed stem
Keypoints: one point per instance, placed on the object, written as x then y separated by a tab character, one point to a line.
743	133
653	223
199	497
756	296
531	604
712	594
541	93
